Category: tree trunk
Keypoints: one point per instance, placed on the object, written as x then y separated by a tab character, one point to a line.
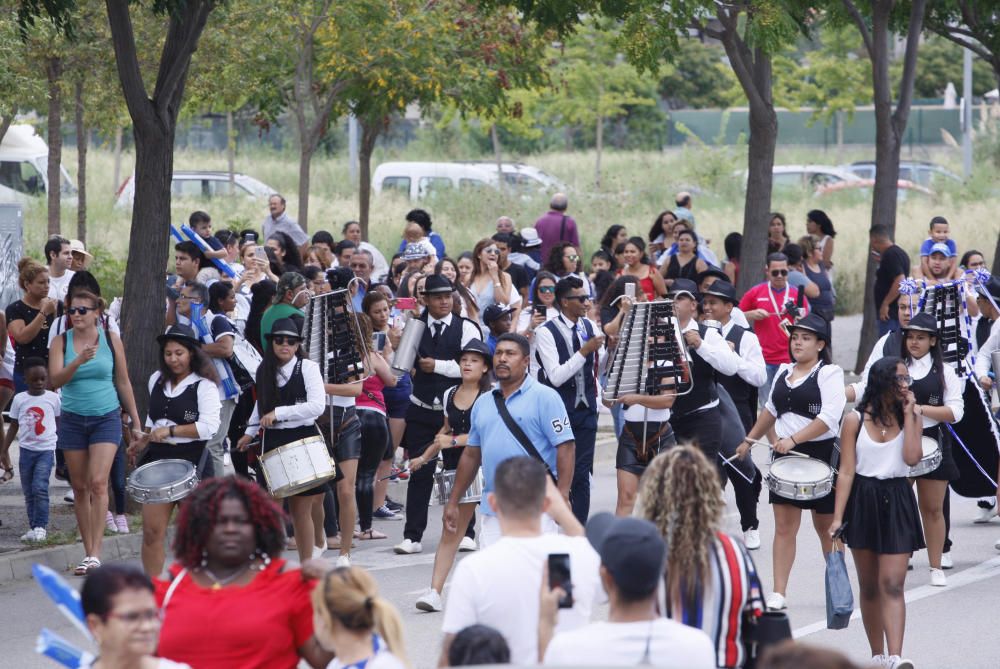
996	258
81	165
889	129
498	156
306	151
840	137
231	150
118	158
369	133
757	205
53	70
5	123
599	145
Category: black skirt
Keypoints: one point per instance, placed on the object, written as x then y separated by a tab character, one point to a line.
628	458
948	469
821	450
276	438
882	516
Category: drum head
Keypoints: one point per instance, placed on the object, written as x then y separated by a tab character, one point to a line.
800	470
929	446
161	473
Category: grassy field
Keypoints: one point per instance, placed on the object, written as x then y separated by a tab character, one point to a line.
636	187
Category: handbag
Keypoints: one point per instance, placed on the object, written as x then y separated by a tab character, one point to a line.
839	597
518	433
761	628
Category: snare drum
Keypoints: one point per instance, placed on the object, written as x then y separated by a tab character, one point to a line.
800	478
162	481
297	466
444	482
930	460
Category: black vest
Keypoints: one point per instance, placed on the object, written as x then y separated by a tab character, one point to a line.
459	420
703	378
567	391
983	328
744	395
804	400
180	410
293	392
429	387
893	344
929	390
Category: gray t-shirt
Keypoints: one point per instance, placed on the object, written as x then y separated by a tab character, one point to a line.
285	224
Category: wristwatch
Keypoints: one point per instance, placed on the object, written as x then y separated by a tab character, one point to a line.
172	430
454	442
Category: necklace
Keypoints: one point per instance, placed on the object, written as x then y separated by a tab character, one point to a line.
218	583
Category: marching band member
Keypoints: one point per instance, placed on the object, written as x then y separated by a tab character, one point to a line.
695	416
475	361
719	302
875	506
183	415
804	408
891	343
985	341
938	396
645	434
290	397
435	372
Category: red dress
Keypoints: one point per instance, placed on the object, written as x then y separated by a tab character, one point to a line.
645	285
259	625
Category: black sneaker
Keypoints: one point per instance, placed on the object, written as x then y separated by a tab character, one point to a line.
392	504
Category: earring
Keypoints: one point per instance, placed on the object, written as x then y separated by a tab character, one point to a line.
204	558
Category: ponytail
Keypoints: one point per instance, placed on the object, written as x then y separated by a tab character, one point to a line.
389	626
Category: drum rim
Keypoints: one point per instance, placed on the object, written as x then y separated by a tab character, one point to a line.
298	485
312	439
829	475
131	480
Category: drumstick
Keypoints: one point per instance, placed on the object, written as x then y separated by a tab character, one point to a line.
729	461
391	476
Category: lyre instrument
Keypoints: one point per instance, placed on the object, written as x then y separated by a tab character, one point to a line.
944	303
651	355
333	338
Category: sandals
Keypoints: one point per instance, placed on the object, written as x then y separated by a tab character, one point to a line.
86	564
369	534
8	474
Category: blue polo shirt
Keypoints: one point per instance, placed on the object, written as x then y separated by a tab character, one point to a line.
540	413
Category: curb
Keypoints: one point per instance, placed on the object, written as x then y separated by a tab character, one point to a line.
16	566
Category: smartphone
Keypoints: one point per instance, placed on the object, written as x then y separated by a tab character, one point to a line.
559	576
260	254
250	238
630	291
539	309
406	303
380	338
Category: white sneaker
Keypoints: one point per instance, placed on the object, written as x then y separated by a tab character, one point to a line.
41	534
751	539
318	551
344	561
467	545
986	512
29	536
109	522
946	561
775	602
879	660
407	547
938	578
896	662
909	563
69	497
430	601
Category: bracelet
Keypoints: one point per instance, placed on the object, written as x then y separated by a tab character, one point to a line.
172	430
792	437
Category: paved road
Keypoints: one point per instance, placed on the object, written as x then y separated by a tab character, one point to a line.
947	627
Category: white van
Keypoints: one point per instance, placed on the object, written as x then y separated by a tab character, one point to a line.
419	180
24	159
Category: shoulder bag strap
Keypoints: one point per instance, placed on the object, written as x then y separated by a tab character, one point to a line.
562	229
518	433
173	586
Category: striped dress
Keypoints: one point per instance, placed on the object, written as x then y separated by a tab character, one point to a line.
735	592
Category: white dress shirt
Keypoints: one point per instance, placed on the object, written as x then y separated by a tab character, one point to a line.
919	369
831	388
984	357
209	407
545	346
470	331
716	352
295	415
873	357
752	368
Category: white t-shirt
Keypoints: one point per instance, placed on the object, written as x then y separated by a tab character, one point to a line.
381	660
36	420
162	663
59	286
671	644
500	587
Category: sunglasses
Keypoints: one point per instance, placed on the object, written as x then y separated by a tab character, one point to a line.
904	379
281	341
82	311
546	289
779	272
572	258
580	298
492	249
188	297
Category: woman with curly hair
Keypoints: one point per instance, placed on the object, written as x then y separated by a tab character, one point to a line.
710	577
564	260
231	601
363	629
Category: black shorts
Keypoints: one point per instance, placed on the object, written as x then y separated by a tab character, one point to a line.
628	458
343	436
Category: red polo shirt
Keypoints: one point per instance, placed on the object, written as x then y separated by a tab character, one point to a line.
773	340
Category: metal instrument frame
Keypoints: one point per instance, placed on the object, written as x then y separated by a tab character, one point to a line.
335	307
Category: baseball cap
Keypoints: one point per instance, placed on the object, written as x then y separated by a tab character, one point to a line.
684	286
415	251
631	549
942	248
530	238
495	311
288	281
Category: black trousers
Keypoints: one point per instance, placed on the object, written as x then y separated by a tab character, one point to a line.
700	428
374	437
421	427
733	432
584	424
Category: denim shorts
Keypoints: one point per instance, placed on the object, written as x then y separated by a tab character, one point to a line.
77	433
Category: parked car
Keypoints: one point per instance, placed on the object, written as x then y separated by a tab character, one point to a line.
920	172
420	180
903	187
201	185
24	161
809	177
522	177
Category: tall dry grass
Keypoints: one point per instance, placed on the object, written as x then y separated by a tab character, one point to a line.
635	188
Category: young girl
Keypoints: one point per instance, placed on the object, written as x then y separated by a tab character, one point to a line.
351	620
879	443
637	265
805	405
475	361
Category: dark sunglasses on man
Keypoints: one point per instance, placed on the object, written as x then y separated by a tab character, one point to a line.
779	272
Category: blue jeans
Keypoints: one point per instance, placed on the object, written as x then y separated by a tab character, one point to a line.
885	327
35	467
